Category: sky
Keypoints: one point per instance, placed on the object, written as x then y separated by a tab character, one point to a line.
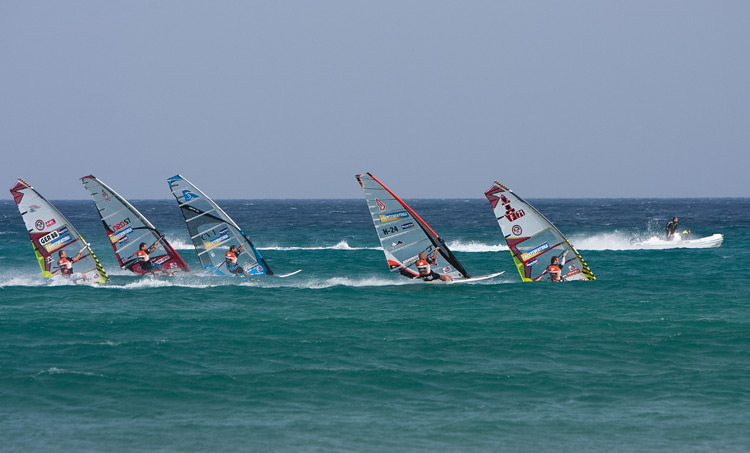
291	99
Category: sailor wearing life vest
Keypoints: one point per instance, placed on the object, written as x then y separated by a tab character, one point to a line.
425	271
147	264
555	268
230	259
65	264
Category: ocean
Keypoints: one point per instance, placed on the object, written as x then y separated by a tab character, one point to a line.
345	356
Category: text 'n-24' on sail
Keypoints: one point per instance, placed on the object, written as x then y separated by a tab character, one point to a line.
213	231
51	234
533	240
127	228
404	234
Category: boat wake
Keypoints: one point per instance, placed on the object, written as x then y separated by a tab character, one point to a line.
622	241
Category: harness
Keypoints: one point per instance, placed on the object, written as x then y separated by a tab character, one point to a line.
555	272
423	267
66	267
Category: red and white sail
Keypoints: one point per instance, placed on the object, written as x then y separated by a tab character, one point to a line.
533	240
126	228
51	233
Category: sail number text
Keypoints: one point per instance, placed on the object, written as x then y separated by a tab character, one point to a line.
387	231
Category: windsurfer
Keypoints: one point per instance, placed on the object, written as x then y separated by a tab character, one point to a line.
425	271
147	264
555	267
671	228
230	258
65	264
685	234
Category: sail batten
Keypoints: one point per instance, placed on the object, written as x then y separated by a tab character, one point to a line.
532	239
126	227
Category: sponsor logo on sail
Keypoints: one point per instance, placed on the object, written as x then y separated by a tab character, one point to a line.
516	230
188	195
573	271
55	239
49	223
512	216
532	262
33	208
409	261
253	267
223	236
125	222
535	252
380	204
406	226
393	216
39	224
105	195
118	237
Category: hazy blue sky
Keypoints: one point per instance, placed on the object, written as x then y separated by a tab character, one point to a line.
287	99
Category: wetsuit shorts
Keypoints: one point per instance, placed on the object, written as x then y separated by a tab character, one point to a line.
432	276
234	268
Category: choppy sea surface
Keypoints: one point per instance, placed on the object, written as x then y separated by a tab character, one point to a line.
346	356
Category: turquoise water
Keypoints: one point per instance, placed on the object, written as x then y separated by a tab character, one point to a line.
654	355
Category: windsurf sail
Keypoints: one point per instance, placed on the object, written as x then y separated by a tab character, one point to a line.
51	233
532	239
213	231
126	228
404	234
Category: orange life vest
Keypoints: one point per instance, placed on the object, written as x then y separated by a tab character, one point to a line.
65	265
142	255
423	267
230	257
554	272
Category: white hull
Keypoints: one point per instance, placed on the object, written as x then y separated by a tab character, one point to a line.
655	243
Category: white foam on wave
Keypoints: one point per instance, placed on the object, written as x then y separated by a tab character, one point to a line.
604	241
148	282
475	247
55	370
33	281
342	245
180	244
355	282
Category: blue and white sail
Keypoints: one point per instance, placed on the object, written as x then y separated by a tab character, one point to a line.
213	231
